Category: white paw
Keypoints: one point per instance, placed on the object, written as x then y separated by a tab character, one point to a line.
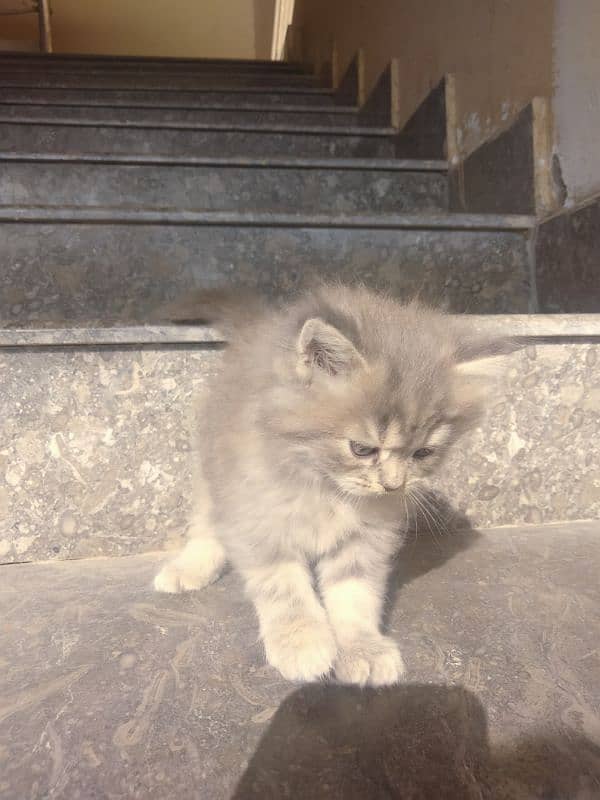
373	660
199	563
302	650
174	579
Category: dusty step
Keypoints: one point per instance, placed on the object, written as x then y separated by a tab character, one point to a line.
156	79
122	684
219	114
278	184
99	262
61	61
90	136
96	427
191	98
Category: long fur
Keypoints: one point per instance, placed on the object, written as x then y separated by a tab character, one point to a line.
327	414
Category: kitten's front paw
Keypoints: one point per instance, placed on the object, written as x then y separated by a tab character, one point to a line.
375	660
301	650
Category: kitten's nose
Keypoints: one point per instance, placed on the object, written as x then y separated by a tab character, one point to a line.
392	487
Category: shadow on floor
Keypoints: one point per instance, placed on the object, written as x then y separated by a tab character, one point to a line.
421	742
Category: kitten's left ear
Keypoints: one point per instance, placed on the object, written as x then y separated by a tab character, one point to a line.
479	369
322	347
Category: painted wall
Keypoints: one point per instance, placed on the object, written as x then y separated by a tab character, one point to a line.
204	28
500	50
577	97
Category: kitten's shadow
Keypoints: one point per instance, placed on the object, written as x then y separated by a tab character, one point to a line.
437	532
418	741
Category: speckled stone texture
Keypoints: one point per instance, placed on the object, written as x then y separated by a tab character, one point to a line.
86	271
121	138
95	455
108	690
262	188
95	449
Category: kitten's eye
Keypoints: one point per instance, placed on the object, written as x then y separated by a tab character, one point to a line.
363	450
422	453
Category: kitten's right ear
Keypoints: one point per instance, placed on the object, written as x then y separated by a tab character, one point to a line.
322	347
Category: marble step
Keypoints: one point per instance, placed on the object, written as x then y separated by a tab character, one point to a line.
191	98
111	136
142	696
149	113
278	184
96	425
62	61
85	263
155	79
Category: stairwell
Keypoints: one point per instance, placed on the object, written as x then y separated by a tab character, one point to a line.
125	182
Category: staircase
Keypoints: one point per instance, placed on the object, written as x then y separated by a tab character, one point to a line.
125	182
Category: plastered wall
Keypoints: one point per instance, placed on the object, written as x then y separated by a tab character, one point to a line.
500	50
204	28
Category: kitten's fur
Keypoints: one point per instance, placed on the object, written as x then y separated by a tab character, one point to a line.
311	526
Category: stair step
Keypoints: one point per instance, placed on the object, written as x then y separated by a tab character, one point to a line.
191	98
103	262
66	60
96	426
156	80
108	136
293	186
225	115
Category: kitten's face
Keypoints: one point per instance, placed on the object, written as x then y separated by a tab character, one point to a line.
373	427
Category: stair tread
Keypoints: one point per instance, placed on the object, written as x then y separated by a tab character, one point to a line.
107	332
399	164
281	108
114	666
446	220
326	130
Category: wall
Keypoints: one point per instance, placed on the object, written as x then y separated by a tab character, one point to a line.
205	28
500	50
577	97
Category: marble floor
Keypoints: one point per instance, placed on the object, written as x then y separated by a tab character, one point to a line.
108	690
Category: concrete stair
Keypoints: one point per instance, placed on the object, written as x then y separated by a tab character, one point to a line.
126	182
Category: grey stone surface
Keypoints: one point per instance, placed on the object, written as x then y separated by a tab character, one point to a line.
123	271
95	455
568	261
128	79
95	449
498	177
80	136
264	115
108	690
233	188
198	98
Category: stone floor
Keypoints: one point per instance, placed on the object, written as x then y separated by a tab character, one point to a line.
108	690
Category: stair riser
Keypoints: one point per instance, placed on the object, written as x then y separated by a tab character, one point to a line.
215	116
86	66
96	447
155	81
199	99
82	272
16	137
222	188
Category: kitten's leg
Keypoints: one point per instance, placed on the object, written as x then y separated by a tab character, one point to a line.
353	582
200	562
293	624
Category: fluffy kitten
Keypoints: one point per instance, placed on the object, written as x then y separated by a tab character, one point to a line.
325	413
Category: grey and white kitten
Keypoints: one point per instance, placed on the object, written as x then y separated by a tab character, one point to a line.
326	414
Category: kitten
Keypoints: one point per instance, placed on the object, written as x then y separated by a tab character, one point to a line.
326	413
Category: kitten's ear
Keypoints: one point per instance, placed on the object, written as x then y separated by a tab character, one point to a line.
480	369
321	346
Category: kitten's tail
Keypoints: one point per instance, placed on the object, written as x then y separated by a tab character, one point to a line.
230	310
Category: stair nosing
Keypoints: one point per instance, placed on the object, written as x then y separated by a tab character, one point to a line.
299	130
275	162
280	108
179	89
157	216
544	328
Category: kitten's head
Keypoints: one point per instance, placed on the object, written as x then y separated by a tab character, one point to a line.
380	391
